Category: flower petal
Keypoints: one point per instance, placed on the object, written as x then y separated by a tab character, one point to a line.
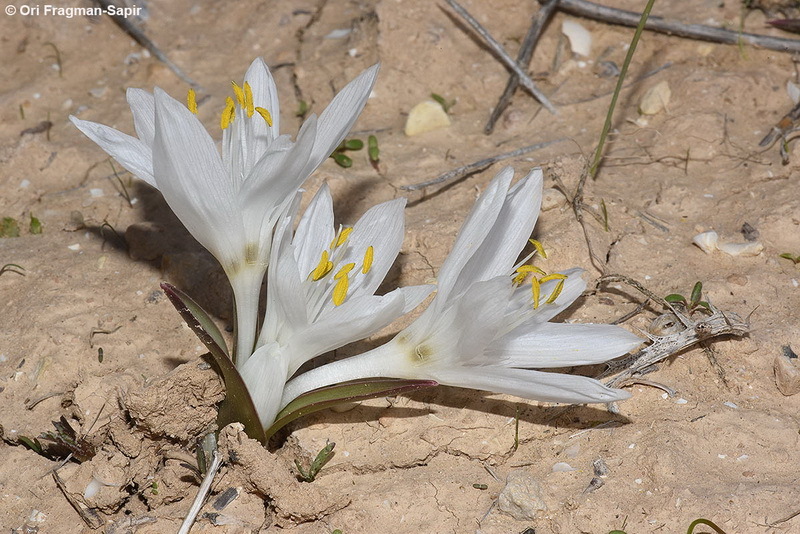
529	384
265	375
143	107
265	94
130	152
340	115
193	181
314	231
550	345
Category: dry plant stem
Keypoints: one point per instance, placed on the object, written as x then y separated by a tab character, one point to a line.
507	60
89	516
589	10
202	493
139	36
719	323
523	59
479	165
783	127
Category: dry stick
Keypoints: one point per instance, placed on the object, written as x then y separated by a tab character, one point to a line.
509	62
216	462
582	8
139	36
479	165
523	58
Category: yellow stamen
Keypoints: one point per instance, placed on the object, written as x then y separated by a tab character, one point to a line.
239	94
555	276
340	290
265	115
228	114
339	240
556	292
539	248
191	101
248	100
523	271
323	267
536	289
368	254
344	271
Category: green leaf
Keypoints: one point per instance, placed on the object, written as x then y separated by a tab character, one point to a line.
353	144
238	405
697	294
32	444
36	226
302	109
675	297
342	160
446	104
357	390
9	227
373	150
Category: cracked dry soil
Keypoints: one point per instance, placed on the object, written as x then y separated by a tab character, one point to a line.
725	448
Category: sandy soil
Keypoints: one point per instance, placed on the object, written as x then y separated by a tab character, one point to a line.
724	448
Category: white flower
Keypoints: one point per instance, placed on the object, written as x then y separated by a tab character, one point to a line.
320	296
230	202
484	329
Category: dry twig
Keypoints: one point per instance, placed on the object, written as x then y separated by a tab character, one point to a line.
589	10
478	165
507	60
523	59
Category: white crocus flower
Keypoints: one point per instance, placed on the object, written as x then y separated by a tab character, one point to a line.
230	202
485	329
320	296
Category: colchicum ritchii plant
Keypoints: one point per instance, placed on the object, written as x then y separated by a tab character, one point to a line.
487	327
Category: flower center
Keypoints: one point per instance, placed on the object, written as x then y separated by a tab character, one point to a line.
523	271
244	102
329	258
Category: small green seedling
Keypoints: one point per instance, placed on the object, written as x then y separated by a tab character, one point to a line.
9	227
9	267
35	226
373	151
339	156
319	462
789	256
446	104
337	531
480	486
302	109
694	301
154	488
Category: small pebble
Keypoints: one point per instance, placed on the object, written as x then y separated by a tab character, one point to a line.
76	246
426	117
600	468
787	374
656	99
730	404
580	40
562	467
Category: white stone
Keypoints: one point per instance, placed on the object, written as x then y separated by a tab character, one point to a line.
426	117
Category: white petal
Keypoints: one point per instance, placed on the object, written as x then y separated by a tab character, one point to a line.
143	107
315	231
355	319
193	181
473	232
382	228
522	301
534	385
265	93
508	234
340	115
129	151
265	375
413	295
551	345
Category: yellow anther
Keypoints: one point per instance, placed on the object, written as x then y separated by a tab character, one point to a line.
368	254
191	101
556	292
239	94
523	271
248	100
344	271
323	267
265	115
536	290
340	239
228	114
539	248
554	276
340	290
